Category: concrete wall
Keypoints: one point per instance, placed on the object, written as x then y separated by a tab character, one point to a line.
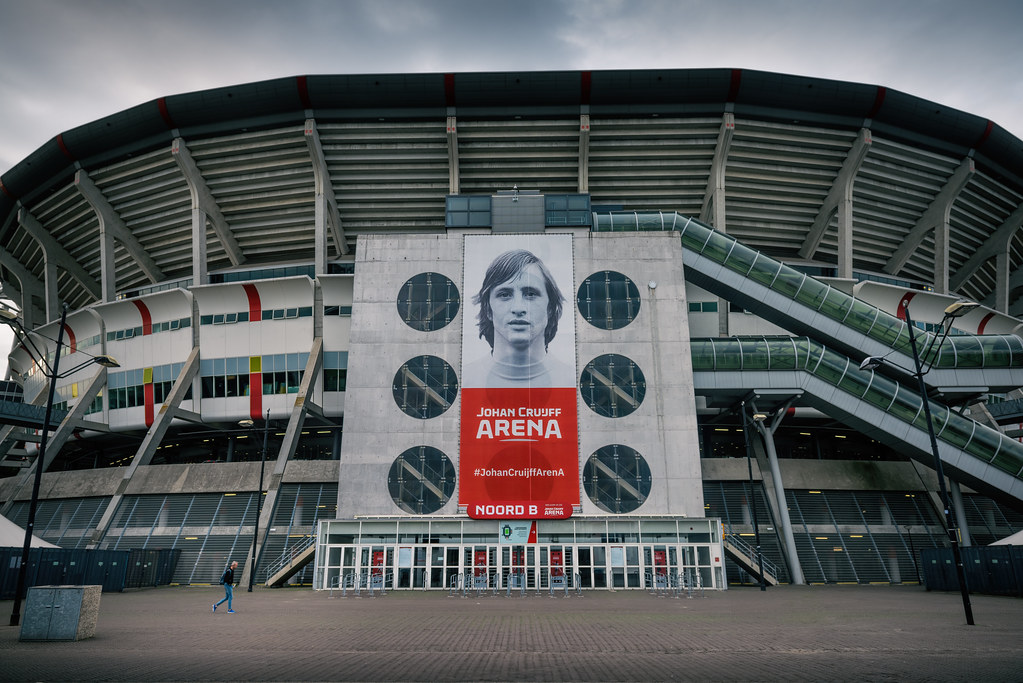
663	430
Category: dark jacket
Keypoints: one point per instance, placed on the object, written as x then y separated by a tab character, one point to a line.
228	577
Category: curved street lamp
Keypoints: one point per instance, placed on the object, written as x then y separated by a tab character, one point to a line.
955	310
10	318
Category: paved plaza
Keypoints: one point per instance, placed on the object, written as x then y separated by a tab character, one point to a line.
788	633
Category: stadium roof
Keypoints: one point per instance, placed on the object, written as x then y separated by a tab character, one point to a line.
654	139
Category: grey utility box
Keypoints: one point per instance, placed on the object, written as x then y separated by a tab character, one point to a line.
61	612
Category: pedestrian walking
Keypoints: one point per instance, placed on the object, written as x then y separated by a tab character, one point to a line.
227	579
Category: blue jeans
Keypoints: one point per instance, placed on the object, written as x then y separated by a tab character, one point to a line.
228	595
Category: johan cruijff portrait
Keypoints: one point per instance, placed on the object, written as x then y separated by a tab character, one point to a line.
520	306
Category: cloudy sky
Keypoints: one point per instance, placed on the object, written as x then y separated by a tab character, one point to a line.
68	62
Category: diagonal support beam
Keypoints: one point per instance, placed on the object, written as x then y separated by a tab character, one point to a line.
935	217
204	207
328	217
997	243
111	227
287	450
155	434
56	255
71	421
840	194
714	193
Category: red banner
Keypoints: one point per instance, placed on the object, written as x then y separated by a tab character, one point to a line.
519	443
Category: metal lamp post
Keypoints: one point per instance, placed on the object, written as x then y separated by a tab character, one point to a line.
259	495
759	417
10	318
955	310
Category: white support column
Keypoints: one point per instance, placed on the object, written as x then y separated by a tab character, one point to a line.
452	133
936	217
1002	281
584	150
327	216
55	255
205	210
715	201
111	226
840	200
795	568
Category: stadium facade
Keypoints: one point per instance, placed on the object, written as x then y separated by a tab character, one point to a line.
694	264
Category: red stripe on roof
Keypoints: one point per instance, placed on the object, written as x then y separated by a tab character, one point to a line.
303	91
878	101
449	90
63	148
986	134
733	87
585	86
161	104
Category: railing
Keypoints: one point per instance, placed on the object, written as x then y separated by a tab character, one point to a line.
802	354
288	556
734	539
958	351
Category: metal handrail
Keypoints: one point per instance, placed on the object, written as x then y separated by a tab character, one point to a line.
736	540
288	556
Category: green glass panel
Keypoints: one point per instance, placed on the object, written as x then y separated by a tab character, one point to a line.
996	352
718	246
855	382
907	404
832	367
836	304
887	328
804	352
727	355
754	354
957	432
702	351
695	235
861	317
1015	345
1010	458
969	353
764	270
788	281
812	293
783	354
984	444
741	259
879	395
938	416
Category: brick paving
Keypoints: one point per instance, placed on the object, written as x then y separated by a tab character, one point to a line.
788	633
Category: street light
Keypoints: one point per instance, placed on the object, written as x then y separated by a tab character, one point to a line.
247	423
757	417
955	310
10	318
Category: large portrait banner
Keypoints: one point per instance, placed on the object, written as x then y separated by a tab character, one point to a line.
519	430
